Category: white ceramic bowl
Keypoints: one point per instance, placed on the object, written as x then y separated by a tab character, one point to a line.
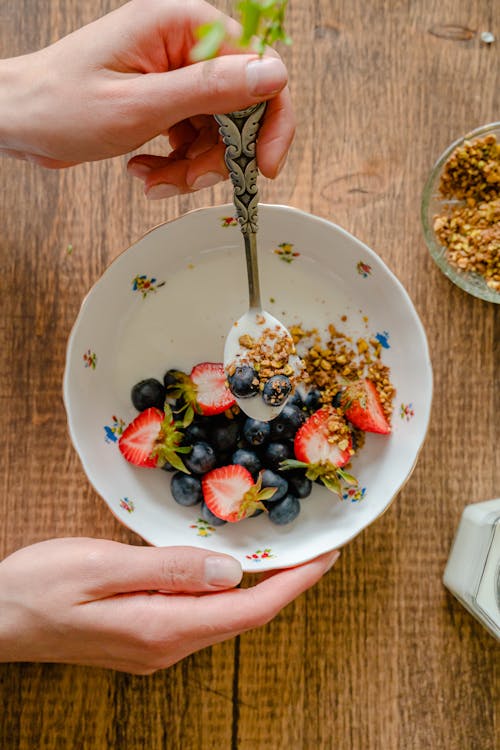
169	301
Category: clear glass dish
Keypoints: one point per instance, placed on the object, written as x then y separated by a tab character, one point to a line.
433	203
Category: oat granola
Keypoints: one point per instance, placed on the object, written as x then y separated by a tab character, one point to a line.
470	231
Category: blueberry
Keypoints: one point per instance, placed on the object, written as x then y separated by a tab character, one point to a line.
244	382
194	433
275	453
285	511
207	515
337	399
168	467
272	479
312	400
257	512
248	459
286	424
201	459
170	378
225	458
224	435
276	390
299	484
296	400
186	489
256	432
147	393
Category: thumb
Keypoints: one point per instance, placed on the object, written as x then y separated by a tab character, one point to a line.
123	568
224	84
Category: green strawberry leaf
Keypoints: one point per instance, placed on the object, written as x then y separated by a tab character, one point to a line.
348	478
292	463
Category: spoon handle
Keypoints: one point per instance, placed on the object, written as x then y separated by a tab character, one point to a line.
239	133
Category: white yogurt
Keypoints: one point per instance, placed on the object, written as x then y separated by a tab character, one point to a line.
255	323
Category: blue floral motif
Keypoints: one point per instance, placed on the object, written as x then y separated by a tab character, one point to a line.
383	339
112	432
354	494
146	285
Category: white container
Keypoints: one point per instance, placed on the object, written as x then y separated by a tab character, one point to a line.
472	573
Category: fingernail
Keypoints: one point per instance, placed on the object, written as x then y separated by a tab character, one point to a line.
163	190
266	76
206	180
333	559
222	571
137	169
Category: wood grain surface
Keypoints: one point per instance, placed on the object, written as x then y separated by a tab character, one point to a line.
378	655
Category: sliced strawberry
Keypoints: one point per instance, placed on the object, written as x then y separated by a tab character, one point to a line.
324	439
363	408
138	440
212	394
153	439
322	446
231	494
204	390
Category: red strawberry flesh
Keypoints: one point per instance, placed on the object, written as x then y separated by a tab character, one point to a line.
138	440
224	490
212	394
364	409
318	440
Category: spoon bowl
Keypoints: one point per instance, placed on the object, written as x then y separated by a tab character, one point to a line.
257	325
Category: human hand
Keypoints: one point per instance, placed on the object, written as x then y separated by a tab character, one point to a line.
133	609
111	86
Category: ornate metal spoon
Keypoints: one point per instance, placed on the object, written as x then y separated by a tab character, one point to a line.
257	335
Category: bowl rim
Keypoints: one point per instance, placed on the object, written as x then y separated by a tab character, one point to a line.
264	566
462	280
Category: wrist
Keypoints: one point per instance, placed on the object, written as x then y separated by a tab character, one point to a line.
17	88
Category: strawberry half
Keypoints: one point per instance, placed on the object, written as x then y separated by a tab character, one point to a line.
363	408
322	446
324	438
137	441
231	494
204	390
152	439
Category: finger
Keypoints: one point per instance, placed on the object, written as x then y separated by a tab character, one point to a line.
164	176
182	133
208	168
224	84
206	138
115	568
243	609
276	134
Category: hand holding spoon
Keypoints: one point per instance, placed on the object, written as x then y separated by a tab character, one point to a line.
259	354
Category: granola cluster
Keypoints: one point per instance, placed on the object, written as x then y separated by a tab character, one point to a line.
338	431
331	365
470	231
268	354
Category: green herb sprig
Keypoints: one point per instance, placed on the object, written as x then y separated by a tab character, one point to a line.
261	20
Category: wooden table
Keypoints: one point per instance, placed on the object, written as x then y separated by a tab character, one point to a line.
378	654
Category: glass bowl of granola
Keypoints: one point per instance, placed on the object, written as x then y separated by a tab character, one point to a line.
157	429
461	212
